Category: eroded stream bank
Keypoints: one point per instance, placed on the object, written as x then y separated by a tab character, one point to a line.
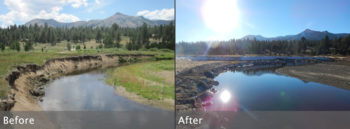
26	81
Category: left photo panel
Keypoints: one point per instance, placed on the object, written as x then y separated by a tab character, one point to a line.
87	64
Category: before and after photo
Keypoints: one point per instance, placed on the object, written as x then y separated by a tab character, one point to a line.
174	64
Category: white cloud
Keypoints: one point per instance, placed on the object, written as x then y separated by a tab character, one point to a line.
23	10
164	14
54	14
96	5
77	3
98	1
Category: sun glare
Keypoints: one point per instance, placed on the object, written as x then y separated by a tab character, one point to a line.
220	15
225	96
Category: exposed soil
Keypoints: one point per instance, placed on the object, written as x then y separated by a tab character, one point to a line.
194	79
26	81
333	73
183	64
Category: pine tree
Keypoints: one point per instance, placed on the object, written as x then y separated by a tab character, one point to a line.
15	45
69	47
118	38
144	35
2	46
108	42
98	37
129	46
77	47
28	46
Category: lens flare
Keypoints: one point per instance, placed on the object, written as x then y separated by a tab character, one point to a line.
221	16
225	96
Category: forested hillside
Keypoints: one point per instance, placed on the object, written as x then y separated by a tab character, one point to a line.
304	46
145	36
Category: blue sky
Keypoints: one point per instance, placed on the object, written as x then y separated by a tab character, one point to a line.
21	11
268	18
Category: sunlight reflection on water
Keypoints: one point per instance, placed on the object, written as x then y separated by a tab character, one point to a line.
266	90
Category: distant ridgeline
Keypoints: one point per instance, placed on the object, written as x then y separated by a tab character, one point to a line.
108	32
308	42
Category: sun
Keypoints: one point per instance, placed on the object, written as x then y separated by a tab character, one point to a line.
225	96
220	15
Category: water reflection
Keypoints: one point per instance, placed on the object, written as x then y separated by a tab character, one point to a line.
225	96
86	91
266	90
259	72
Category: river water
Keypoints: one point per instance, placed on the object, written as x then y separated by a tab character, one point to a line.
266	90
86	92
248	58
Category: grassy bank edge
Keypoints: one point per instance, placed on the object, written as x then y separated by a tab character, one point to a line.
144	80
10	59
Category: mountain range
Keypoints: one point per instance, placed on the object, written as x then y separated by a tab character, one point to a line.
121	19
308	34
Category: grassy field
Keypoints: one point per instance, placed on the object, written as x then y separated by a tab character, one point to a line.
10	58
151	80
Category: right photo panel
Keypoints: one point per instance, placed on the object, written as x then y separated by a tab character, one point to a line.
262	64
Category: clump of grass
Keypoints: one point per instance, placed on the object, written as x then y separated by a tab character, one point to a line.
165	56
121	59
142	79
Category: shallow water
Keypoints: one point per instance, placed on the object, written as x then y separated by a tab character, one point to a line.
86	92
249	58
267	90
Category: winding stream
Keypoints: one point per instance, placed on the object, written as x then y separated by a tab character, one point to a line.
86	92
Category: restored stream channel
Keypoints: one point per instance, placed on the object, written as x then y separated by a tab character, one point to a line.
255	85
249	92
86	92
264	89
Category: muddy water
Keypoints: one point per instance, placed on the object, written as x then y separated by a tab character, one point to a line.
267	90
86	92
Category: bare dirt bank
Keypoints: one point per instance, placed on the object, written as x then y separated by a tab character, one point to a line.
333	73
195	78
183	64
26	81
